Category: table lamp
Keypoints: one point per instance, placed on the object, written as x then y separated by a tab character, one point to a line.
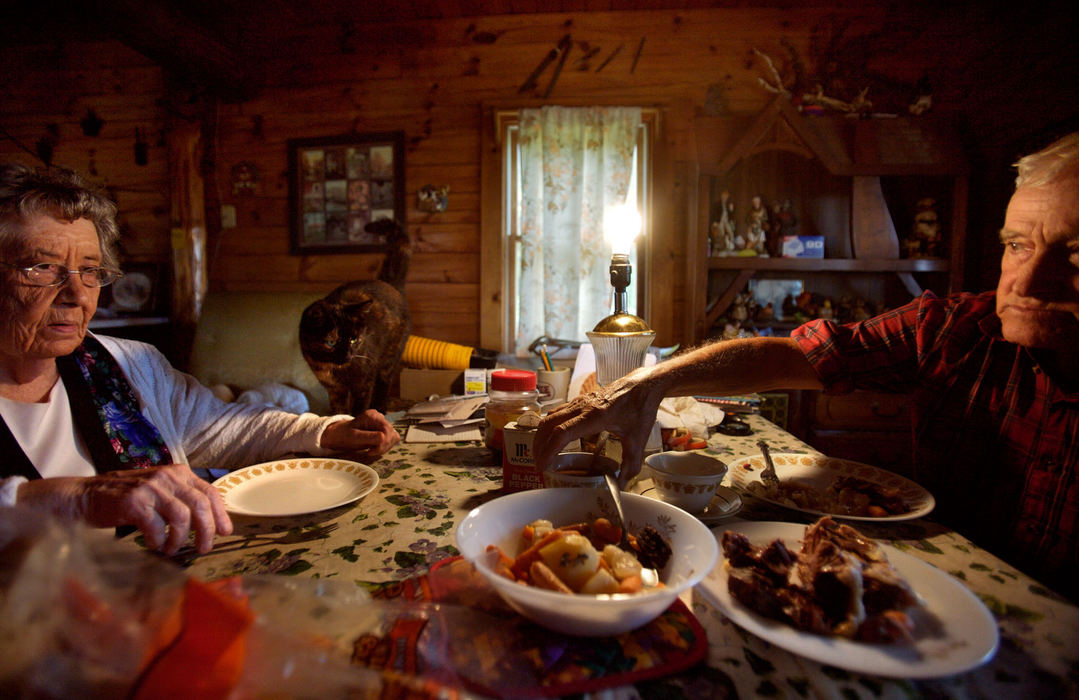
621	339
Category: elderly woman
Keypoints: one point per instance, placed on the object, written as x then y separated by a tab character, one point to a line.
101	429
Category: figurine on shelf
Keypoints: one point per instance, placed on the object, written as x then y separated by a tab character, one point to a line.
756	228
825	310
767	313
726	228
925	236
788	222
739	309
753	307
806	306
775	237
844	309
789	307
860	312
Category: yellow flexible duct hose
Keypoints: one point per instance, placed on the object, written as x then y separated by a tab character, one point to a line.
426	353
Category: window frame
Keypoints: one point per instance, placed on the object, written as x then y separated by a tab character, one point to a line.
499	236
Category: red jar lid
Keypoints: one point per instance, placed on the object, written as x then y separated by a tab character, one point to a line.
513	380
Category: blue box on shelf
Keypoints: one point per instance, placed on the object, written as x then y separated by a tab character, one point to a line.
803	246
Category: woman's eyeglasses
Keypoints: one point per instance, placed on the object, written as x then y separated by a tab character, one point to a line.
55	274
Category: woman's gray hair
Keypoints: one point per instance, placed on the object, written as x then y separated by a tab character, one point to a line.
61	194
1049	164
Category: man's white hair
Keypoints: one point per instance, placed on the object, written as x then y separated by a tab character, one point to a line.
1050	164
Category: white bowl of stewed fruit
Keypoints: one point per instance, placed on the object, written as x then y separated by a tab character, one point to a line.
556	557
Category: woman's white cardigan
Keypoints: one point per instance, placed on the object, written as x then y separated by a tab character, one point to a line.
198	428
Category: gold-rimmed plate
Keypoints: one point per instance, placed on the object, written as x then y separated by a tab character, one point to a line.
295	486
820	472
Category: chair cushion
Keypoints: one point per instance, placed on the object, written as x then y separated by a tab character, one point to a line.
248	339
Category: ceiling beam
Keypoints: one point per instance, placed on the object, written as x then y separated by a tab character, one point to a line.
189	51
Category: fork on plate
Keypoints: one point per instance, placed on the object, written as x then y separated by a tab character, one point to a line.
768	476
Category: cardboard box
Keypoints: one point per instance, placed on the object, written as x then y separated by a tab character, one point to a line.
418	384
803	246
519	472
475	381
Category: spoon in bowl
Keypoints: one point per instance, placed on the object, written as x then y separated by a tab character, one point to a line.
649	577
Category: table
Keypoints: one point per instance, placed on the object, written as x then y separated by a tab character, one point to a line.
407	525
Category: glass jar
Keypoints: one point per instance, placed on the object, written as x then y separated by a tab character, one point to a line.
512	392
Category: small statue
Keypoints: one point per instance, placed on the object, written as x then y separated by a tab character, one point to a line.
775	229
789	307
788	222
926	230
726	230
757	227
806	307
922	101
739	310
860	312
844	308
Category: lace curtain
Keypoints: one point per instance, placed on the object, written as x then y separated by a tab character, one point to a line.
575	163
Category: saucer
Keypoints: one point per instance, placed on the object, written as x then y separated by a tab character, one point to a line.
724	504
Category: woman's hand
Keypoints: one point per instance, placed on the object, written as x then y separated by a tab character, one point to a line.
627	408
166	503
370	435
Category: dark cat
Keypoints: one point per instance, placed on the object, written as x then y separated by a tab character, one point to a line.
353	337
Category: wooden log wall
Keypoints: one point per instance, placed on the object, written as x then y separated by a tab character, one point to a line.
48	91
438	82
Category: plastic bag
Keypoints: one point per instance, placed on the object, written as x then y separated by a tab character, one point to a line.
82	615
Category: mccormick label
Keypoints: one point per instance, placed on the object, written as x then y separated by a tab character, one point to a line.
519	472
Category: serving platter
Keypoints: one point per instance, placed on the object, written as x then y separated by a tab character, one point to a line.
295	486
820	471
957	633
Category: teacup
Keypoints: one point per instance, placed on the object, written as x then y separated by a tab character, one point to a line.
577	470
687	480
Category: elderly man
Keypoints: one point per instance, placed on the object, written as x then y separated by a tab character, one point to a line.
994	376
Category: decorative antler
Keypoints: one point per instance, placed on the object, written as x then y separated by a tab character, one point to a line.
778	87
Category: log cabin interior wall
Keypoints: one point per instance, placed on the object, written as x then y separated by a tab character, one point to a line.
439	79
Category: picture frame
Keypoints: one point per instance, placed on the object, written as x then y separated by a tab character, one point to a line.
138	292
340	184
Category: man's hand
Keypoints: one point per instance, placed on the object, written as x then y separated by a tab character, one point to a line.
370	435
166	503
626	408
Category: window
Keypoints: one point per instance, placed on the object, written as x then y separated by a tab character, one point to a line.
512	162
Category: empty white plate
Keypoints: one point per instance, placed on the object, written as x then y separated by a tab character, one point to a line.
295	486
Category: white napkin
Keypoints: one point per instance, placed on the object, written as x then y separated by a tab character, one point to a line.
689	413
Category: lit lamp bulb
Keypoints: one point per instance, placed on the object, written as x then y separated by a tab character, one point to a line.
622	339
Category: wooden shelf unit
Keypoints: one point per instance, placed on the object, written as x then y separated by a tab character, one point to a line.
820	162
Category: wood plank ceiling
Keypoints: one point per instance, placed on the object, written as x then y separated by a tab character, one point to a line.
1026	51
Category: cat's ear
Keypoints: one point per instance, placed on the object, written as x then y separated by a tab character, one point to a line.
357	308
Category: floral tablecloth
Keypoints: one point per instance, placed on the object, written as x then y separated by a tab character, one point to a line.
407	525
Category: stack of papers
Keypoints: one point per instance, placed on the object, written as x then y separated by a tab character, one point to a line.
448	419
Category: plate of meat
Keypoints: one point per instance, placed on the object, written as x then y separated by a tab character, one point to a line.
830	594
822	485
